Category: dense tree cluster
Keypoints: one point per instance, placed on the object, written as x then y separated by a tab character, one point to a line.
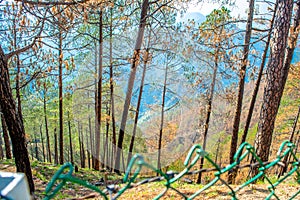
92	82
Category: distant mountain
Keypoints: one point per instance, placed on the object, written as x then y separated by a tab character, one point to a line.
196	16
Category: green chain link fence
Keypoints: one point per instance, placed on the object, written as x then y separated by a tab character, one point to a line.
196	152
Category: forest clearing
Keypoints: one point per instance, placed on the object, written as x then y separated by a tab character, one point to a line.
192	94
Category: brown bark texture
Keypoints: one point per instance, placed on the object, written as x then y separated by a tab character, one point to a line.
275	73
135	63
6	137
14	122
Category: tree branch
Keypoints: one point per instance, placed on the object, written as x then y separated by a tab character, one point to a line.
18	51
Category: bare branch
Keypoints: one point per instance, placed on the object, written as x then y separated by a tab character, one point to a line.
18	51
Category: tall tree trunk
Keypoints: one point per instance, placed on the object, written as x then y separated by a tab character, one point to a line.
87	149
14	122
1	149
55	147
70	139
134	65
257	83
42	140
105	144
242	75
96	109
111	86
209	108
60	88
99	94
36	148
5	136
18	66
46	125
82	148
138	105
162	118
273	89
91	143
288	157
292	43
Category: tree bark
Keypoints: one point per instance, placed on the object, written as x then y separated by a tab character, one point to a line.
288	157
6	137
82	148
70	139
42	140
18	66
111	86
138	106
275	73
91	143
209	108
46	125
257	83
14	122
134	65
60	94
242	75
55	147
36	149
99	95
162	118
1	149
87	150
105	144
292	43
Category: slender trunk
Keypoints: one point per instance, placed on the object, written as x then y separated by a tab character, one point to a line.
1	149
95	109
6	137
99	95
18	66
162	118
46	125
111	86
70	139
209	109
87	150
105	144
242	75
60	88
257	83
14	122
31	150
18	96
55	148
42	140
287	157
82	148
273	89
138	106
134	65
36	148
91	142
292	43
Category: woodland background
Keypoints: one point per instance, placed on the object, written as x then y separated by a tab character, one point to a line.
93	82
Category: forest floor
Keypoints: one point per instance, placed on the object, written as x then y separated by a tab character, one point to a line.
43	173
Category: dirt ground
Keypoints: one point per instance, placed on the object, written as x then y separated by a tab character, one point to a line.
283	191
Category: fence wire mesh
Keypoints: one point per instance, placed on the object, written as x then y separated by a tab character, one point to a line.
137	163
